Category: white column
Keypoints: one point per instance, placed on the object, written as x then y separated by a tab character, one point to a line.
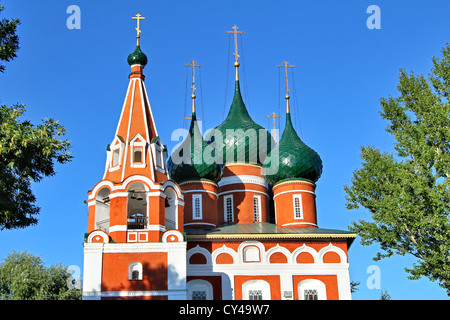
92	271
176	273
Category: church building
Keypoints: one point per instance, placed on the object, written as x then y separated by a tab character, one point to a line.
229	216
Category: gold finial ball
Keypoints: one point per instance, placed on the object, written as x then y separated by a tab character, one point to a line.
287	96
193	96
236	64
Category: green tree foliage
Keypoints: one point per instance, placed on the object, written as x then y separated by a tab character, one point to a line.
407	192
9	41
25	277
28	153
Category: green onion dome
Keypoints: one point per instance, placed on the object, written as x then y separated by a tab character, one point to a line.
193	166
245	139
137	57
295	159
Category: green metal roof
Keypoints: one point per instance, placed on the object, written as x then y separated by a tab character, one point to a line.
194	166
239	121
266	231
295	158
137	57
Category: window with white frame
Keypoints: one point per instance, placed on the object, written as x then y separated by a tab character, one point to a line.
135	271
196	206
138	151
256	208
312	289
228	208
199	289
137	155
256	290
310	294
116	148
158	149
116	157
297	202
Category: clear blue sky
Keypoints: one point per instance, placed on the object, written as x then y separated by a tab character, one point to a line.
342	69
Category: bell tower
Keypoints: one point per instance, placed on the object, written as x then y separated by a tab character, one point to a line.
135	247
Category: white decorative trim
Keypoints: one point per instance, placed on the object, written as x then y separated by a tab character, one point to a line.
195	191
200	223
332	248
118	227
201	250
299	223
305	248
128	131
175	187
259	245
97	233
243	190
114	294
174	233
224	249
243	179
280	249
291	191
147	182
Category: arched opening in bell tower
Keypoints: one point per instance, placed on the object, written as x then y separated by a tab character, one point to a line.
102	210
137	215
170	209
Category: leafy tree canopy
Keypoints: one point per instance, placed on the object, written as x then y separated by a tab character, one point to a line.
407	192
28	153
25	277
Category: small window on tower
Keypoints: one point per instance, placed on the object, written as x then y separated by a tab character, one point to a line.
298	211
197	206
135	271
228	208
257	208
116	157
137	155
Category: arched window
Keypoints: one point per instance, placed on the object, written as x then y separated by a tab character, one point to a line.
137	216
138	146
116	149
311	289
102	210
135	271
199	289
256	290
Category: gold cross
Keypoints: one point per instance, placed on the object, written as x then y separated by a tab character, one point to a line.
273	116
193	65
285	66
235	32
138	17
